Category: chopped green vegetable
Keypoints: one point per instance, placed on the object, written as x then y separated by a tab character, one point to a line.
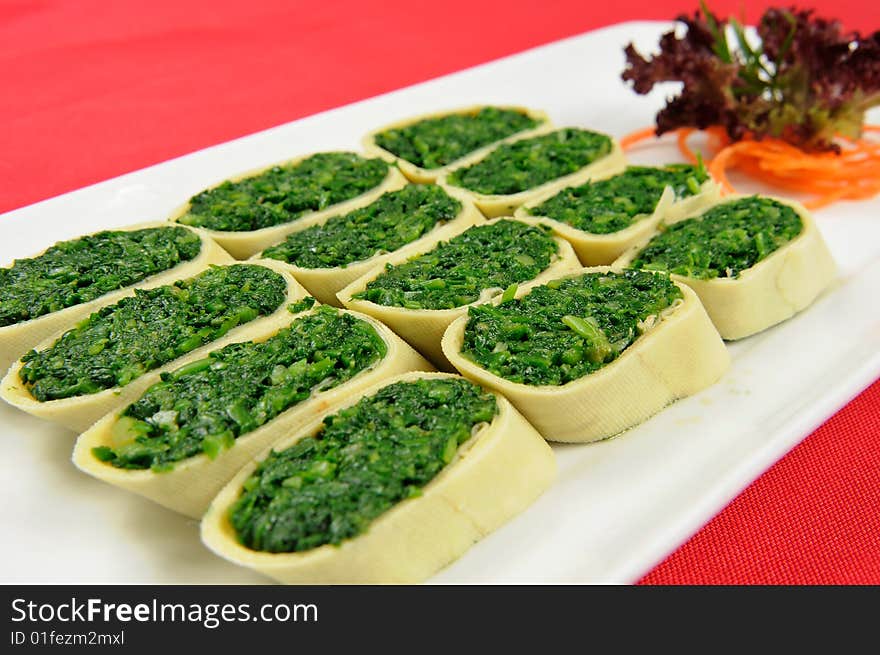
302	305
80	270
588	328
436	142
509	293
363	461
282	194
613	204
391	222
528	163
724	241
145	331
206	405
456	272
565	329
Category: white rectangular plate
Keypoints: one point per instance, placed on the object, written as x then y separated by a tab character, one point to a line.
618	507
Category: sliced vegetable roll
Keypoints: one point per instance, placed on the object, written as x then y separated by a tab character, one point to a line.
419	295
331	254
754	261
66	282
108	359
188	434
589	355
247	213
390	489
602	218
518	171
426	147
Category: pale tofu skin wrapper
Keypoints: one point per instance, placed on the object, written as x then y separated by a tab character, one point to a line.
678	356
431	175
495	475
189	487
325	283
80	412
604	249
771	291
16	340
506	205
424	328
243	245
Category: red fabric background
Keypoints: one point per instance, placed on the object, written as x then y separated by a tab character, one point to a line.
91	89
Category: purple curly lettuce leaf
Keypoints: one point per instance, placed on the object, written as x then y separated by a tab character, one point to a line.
807	82
827	78
706	97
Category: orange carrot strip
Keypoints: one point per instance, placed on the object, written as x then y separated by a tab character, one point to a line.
635	137
851	174
718	165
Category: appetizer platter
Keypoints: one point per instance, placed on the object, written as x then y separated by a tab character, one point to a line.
315	441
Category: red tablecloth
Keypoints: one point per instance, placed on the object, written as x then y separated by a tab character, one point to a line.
91	89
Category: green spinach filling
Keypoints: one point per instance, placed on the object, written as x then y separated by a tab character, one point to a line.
80	270
282	194
456	272
121	342
436	142
362	462
611	205
724	241
394	220
204	406
528	163
567	328
301	305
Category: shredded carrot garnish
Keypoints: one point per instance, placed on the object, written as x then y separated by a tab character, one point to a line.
640	135
852	174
